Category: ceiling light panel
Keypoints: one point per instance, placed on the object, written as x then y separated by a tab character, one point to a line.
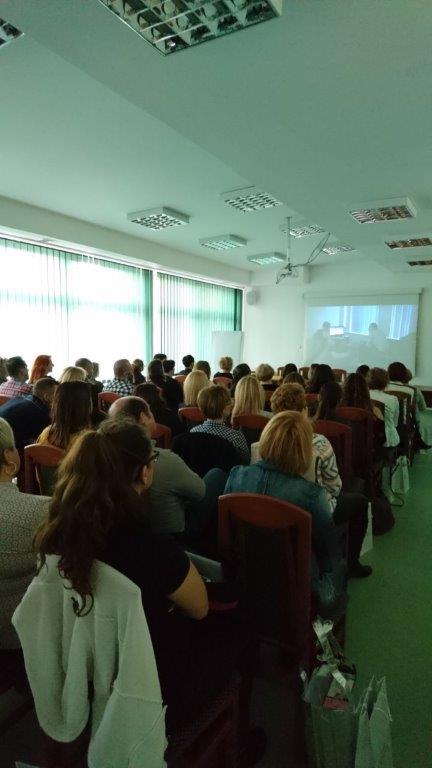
263	259
158	218
390	210
250	199
8	33
223	242
413	242
173	25
427	263
303	231
332	250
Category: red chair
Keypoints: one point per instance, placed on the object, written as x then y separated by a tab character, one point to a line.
251	426
181	378
4	399
361	423
406	427
105	399
40	463
162	435
223	381
339	374
340	437
191	415
312	403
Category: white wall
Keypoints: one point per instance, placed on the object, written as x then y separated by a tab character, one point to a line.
274	326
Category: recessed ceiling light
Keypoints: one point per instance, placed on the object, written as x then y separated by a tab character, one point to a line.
223	242
267	258
250	199
8	33
158	218
173	25
303	231
412	242
386	210
427	263
332	250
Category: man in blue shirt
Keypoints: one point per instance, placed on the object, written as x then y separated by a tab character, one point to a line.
28	416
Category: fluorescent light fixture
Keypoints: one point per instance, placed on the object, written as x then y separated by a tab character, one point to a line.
303	231
397	209
412	242
223	242
173	25
332	250
250	199
8	33
264	259
158	218
427	263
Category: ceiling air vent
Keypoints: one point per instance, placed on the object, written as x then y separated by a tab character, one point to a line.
158	218
303	231
427	263
267	258
386	210
173	25
8	33
412	242
332	250
223	242
250	199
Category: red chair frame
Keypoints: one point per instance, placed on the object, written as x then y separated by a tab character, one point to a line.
250	421
340	437
4	399
181	378
162	435
361	454
36	456
223	381
191	414
105	399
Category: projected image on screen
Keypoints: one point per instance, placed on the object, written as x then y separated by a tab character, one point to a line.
348	335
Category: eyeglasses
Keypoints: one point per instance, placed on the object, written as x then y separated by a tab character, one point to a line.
153	458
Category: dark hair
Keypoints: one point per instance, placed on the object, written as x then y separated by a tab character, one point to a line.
242	369
138	364
155	371
86	365
203	365
71	412
321	375
159	356
398	372
294	378
330	396
355	392
93	492
378	378
289	368
188	361
363	370
168	365
44	385
14	365
213	400
130	406
150	393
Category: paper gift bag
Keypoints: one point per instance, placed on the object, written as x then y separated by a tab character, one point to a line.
373	749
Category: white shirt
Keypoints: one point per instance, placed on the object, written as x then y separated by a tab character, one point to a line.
391	416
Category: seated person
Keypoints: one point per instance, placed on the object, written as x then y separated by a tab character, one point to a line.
188	362
399	378
161	413
225	368
193	384
203	365
3	371
41	368
242	369
87	366
160	356
264	374
137	372
289	368
215	403
122	383
18	373
249	398
286	453
318	375
363	370
72	373
172	390
71	414
355	394
378	382
21	514
329	398
294	378
168	368
29	415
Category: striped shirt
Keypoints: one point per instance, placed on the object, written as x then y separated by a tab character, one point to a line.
234	436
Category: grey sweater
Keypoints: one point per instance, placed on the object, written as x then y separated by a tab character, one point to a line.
174	485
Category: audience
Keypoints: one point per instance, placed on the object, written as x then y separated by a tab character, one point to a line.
3	370
249	398
21	514
363	370
264	374
29	415
378	382
194	383
399	378
225	365
329	398
41	368
188	362
95	371
355	394
88	367
160	356
72	373
71	414
215	403
288	369
294	378
203	365
161	413
318	375
16	385
121	384
137	371
168	367
172	390
242	369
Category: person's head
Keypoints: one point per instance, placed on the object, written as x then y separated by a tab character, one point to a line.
150	393
311	371
203	365
397	372
214	401
326	328
168	367
289	368
289	397
123	370
45	389
71	411
329	398
98	486
264	372
155	371
72	373
3	370
193	384
249	397
286	442
42	366
95	370
226	364
378	379
159	356
9	456
355	392
408	375
188	361
363	370
17	368
294	378
86	365
321	375
138	365
242	369
132	407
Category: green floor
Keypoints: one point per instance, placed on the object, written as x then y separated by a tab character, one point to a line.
389	624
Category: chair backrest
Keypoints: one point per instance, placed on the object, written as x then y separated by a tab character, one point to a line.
223	381
251	426
181	378
202	451
340	437
191	415
40	464
405	405
361	423
339	374
4	399
105	399
269	543
162	435
304	371
312	403
381	407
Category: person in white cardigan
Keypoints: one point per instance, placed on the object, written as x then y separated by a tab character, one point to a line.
378	381
20	516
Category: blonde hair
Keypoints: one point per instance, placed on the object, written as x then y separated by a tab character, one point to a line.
288	397
73	373
249	397
213	400
226	364
286	442
264	372
193	384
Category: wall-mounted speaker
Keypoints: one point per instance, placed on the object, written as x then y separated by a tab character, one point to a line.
251	297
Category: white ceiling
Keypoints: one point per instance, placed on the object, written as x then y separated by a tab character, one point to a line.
326	107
